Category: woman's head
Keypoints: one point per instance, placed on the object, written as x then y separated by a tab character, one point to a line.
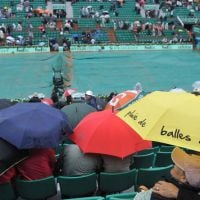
187	167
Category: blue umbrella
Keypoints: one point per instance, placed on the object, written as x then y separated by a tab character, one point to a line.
5	103
33	125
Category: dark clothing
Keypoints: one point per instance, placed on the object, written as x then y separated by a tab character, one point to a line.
96	102
188	193
155	196
92	102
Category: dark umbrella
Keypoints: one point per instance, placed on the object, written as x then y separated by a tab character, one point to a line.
10	156
33	125
5	103
76	112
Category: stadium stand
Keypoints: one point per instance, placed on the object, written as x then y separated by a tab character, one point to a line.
119	23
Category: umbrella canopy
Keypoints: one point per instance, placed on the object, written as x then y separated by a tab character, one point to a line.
69	92
104	133
33	125
122	99
76	112
10	156
167	117
47	101
5	103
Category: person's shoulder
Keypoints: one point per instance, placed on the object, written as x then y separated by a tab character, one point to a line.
72	147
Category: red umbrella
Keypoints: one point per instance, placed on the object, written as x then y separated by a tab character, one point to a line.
69	91
122	99
104	133
47	101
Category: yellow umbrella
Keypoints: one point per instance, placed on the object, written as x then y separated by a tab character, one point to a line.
167	117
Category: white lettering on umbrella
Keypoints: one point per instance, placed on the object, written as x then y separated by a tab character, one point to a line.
114	101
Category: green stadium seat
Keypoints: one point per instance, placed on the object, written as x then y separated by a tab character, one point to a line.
125	196
149	176
166	148
36	189
88	198
163	159
110	183
77	186
147	151
143	161
7	192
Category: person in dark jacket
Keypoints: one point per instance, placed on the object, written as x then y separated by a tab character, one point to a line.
93	101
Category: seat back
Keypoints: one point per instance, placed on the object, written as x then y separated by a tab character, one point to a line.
149	176
148	151
36	189
143	161
88	198
166	148
77	186
125	196
110	183
7	192
163	159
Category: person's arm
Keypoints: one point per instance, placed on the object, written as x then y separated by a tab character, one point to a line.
166	189
184	194
169	190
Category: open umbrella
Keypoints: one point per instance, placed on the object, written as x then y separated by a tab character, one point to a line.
104	133
47	101
167	117
5	103
33	125
69	91
10	156
76	112
122	99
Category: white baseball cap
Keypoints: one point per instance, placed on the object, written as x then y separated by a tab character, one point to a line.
89	93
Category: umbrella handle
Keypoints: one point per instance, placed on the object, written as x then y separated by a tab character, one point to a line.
113	109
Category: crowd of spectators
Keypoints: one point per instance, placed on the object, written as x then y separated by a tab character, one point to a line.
24	33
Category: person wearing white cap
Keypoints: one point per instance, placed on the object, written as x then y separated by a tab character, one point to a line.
90	99
94	101
185	184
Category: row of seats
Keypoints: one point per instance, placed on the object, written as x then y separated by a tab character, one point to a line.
159	156
102	184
